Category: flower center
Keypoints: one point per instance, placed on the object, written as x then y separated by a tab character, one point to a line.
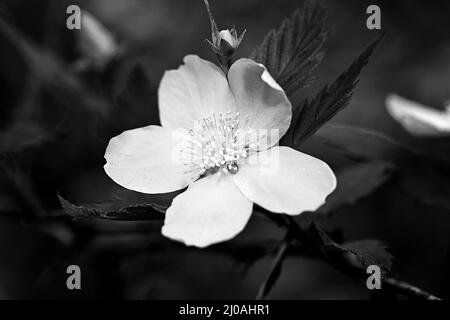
218	142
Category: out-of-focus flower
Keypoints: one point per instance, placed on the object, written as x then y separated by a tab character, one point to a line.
214	140
96	43
417	119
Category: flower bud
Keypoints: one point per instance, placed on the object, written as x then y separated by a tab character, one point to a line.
225	42
226	35
228	41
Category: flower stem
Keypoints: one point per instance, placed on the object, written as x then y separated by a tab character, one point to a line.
275	270
225	63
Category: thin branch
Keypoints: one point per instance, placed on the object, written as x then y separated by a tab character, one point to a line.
275	270
354	272
407	289
344	265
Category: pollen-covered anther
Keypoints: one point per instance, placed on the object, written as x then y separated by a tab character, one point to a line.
219	141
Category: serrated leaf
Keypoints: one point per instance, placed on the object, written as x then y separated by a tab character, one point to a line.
371	252
363	144
295	49
360	253
138	212
355	183
309	116
322	241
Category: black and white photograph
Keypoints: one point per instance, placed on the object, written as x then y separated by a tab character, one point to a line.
246	152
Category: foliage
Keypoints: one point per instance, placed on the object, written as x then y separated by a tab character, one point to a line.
66	118
293	51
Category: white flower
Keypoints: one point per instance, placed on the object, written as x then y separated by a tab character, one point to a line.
417	119
207	125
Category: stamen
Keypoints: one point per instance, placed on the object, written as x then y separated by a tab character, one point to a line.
219	142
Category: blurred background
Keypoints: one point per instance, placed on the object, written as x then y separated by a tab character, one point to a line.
54	129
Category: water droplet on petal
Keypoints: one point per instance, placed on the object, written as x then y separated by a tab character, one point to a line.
232	167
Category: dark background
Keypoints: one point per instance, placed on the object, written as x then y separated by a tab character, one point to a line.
131	259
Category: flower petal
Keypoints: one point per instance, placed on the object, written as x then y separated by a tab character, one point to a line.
212	210
258	96
149	160
283	180
194	91
418	119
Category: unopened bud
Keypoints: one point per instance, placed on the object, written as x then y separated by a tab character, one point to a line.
225	42
228	41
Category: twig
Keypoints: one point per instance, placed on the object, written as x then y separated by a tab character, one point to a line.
275	270
390	283
408	289
342	265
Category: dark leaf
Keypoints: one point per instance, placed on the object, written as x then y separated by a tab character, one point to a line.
370	252
362	144
361	253
139	212
292	52
355	183
308	117
322	241
50	71
134	104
